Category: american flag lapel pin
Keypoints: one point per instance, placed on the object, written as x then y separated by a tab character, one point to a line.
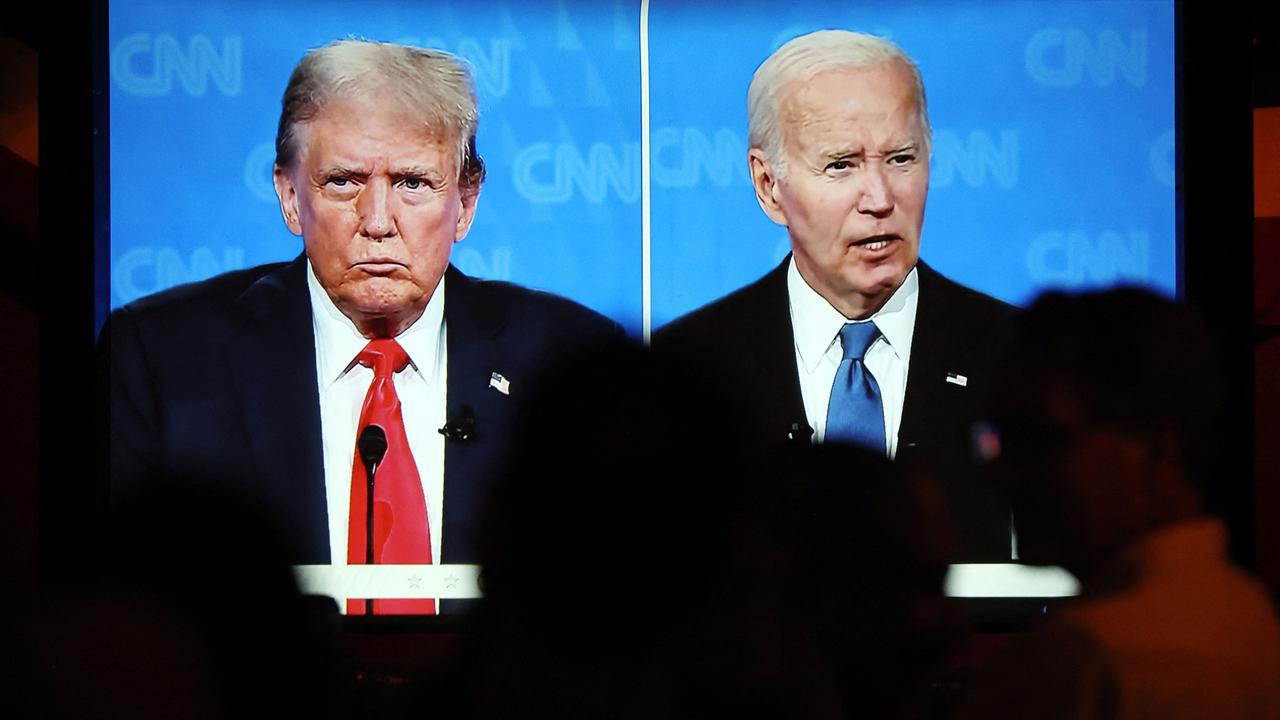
957	379
500	383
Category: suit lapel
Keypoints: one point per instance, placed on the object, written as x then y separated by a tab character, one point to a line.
474	325
272	361
932	402
954	362
778	374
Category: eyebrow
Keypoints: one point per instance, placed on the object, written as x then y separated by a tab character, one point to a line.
339	170
843	153
418	171
911	145
328	171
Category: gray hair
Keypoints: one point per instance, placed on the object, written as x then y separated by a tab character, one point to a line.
429	84
800	59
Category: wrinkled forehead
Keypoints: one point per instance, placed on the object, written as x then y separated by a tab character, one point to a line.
350	116
882	93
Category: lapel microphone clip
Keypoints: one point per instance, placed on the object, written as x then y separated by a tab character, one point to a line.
462	429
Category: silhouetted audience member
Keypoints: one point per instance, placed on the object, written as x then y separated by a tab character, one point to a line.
863	550
1106	424
640	564
605	542
197	615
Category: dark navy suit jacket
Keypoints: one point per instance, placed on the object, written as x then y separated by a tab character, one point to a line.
216	381
744	342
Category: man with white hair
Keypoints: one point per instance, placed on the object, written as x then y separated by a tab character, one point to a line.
367	391
852	338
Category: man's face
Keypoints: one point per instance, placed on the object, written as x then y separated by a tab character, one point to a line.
376	200
854	187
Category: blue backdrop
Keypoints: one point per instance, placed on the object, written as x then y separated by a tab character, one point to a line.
1053	158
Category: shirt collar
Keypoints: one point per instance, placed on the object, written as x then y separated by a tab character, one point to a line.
338	341
817	323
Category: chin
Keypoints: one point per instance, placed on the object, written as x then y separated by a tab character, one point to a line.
880	281
381	300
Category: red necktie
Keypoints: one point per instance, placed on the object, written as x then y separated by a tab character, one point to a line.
400	532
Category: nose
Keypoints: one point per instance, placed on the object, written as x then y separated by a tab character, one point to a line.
876	198
374	206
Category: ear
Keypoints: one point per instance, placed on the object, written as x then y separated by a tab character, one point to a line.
288	196
469	197
766	185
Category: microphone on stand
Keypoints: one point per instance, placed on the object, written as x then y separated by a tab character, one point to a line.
372	446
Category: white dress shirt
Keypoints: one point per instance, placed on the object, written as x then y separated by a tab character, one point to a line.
420	386
817	325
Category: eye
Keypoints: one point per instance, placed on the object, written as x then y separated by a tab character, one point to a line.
839	165
339	181
902	159
413	183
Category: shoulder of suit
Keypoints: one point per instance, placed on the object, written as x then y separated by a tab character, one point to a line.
197	314
961	300
215	290
964	327
732	315
526	303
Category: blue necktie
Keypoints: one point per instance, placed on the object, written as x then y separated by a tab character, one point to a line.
856	412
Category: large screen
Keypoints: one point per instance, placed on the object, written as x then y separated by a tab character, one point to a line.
615	137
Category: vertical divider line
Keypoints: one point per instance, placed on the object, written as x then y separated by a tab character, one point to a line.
646	273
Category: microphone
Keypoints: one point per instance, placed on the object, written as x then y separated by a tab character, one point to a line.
800	432
462	429
372	445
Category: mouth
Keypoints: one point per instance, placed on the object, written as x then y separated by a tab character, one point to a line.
378	266
876	243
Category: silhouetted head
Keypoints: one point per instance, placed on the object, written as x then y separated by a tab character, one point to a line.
613	521
865	548
208	563
1105	413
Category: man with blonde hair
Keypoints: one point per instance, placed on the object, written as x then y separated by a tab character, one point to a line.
852	338
342	390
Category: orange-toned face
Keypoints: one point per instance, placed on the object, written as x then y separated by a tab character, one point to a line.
856	177
375	197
